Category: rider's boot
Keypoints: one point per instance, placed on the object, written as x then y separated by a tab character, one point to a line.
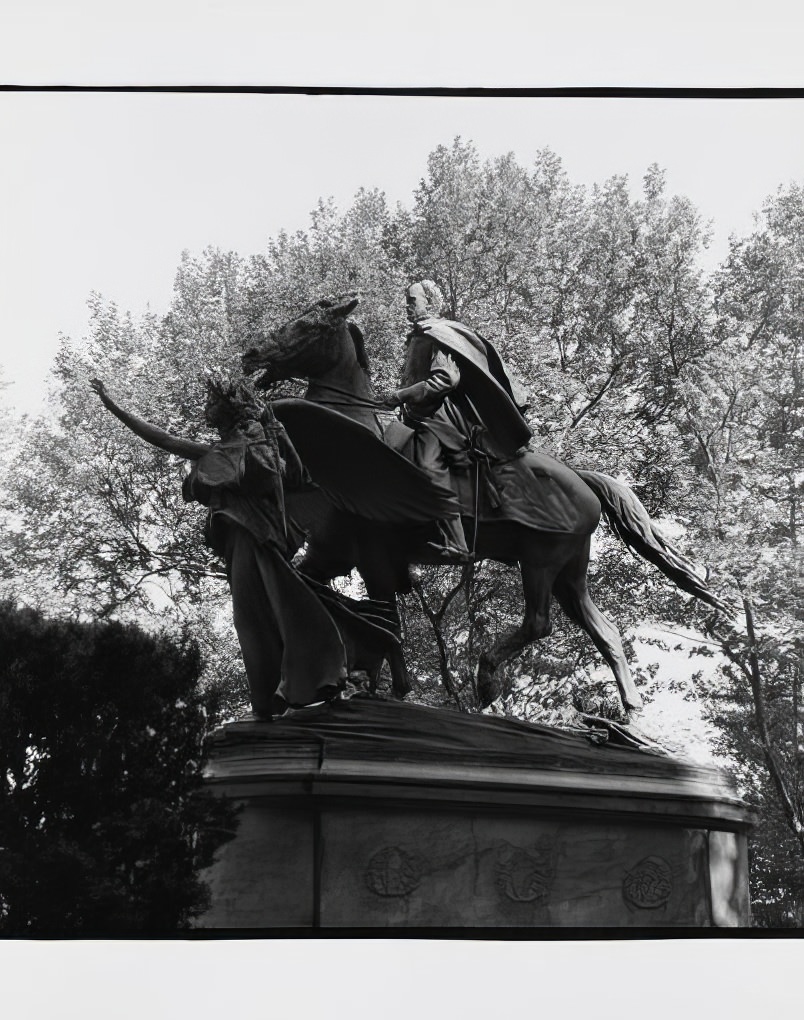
453	547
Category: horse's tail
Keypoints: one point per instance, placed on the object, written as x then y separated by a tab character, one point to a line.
630	520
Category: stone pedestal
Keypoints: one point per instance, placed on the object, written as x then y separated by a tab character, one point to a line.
375	814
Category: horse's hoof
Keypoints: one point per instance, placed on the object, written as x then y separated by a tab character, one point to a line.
633	705
261	717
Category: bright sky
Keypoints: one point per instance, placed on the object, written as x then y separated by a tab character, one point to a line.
103	191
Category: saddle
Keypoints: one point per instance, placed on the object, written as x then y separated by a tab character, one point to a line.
531	488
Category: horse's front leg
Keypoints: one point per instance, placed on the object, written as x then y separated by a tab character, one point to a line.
384	569
400	678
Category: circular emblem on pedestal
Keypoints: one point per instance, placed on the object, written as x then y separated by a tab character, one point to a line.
392	872
522	876
649	884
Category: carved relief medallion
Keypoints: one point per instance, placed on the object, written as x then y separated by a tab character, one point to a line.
524	877
649	884
392	872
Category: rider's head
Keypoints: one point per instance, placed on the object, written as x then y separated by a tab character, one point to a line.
424	300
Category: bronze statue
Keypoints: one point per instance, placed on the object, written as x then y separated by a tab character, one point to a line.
534	511
450	373
296	638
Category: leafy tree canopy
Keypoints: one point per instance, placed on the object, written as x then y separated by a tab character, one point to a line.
638	362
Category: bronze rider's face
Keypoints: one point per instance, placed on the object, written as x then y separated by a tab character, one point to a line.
417	307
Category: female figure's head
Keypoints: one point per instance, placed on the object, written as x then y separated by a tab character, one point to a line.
231	404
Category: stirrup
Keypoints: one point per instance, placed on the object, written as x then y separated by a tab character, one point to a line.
452	553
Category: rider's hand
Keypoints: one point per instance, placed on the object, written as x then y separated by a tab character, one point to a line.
389	400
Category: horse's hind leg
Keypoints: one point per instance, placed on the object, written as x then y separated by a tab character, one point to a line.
536	584
571	591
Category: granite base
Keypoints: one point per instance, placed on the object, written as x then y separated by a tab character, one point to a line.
374	814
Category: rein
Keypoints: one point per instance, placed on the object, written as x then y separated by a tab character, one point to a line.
479	456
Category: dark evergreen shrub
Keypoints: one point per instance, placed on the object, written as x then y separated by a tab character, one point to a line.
104	826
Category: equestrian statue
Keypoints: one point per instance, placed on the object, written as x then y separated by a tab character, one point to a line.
474	490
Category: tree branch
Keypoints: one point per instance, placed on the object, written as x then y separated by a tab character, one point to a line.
598	397
774	768
436	619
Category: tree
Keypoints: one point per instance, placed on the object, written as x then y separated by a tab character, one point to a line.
556	276
744	412
599	302
636	362
8	430
104	824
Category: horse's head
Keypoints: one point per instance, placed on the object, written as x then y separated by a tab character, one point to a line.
309	346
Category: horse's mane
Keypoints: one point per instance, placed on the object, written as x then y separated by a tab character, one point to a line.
354	330
360	345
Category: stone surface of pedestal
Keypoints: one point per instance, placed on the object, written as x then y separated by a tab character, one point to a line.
375	814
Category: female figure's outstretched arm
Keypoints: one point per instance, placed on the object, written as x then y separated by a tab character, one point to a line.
187	448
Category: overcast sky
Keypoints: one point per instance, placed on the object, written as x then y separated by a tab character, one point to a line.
104	191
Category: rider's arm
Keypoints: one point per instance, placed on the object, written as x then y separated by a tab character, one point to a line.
151	433
426	395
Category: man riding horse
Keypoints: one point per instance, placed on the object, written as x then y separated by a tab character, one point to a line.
456	391
459	404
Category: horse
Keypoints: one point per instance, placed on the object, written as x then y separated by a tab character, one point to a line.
324	347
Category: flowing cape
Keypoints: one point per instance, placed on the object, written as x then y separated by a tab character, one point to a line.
533	489
477	360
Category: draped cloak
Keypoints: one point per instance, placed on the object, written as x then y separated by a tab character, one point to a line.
471	405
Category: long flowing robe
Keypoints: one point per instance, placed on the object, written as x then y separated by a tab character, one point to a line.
289	641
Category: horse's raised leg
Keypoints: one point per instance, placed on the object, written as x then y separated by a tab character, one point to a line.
571	591
537	582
